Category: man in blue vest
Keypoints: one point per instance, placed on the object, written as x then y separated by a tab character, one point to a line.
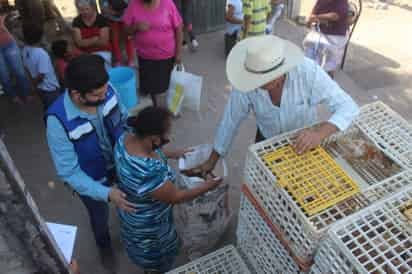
83	125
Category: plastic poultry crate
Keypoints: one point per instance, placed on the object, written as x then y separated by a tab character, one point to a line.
378	177
388	129
263	250
377	240
313	179
223	261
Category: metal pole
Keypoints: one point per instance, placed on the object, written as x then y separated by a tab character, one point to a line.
350	34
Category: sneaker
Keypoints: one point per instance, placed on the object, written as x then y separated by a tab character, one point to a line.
108	259
184	45
194	44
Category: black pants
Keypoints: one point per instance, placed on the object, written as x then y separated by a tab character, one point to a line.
230	42
259	136
99	221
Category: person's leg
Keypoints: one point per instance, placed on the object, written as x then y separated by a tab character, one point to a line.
187	13
130	51
13	59
230	42
99	221
115	32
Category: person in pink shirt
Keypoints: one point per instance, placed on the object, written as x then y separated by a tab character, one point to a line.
157	29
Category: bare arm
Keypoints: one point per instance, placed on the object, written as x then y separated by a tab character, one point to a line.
229	16
179	42
104	37
83	43
246	25
170	194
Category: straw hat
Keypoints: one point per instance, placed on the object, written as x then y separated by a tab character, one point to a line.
256	61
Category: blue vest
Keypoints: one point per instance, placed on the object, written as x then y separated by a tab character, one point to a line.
82	134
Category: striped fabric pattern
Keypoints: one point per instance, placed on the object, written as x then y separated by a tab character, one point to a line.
149	235
258	11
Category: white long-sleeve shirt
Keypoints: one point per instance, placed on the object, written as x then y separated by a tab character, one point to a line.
305	88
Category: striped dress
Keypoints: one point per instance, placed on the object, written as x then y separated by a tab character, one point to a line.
149	235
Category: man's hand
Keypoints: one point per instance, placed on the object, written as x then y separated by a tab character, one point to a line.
306	140
119	199
310	138
74	267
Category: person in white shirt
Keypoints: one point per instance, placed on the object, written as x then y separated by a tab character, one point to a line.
272	79
39	66
234	21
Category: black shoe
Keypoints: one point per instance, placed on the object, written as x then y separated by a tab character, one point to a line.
108	259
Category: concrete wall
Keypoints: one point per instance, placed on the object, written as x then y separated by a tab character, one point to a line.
26	246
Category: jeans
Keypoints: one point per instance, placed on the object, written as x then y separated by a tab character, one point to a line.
99	220
11	62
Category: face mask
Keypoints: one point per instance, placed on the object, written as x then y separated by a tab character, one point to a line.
163	142
92	103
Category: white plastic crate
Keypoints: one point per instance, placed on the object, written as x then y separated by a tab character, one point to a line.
376	240
388	129
223	261
302	231
257	242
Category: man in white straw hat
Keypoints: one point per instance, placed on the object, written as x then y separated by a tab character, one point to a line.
272	79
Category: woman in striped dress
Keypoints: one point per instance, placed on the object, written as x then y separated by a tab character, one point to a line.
149	234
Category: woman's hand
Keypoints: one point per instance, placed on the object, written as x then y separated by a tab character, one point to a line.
213	182
141	27
178	59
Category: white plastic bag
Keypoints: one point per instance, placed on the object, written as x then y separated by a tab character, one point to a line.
176	91
203	221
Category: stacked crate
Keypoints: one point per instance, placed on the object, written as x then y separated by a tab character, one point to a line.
295	208
377	240
223	261
326	211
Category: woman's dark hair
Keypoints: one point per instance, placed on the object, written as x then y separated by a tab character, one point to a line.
32	34
59	48
151	121
86	73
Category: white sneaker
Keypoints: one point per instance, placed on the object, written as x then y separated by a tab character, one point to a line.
194	45
1	91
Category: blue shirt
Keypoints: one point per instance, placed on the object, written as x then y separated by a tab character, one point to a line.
65	156
305	88
237	13
37	61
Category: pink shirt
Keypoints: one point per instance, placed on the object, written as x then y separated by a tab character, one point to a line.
157	43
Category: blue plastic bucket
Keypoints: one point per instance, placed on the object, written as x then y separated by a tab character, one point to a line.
123	79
